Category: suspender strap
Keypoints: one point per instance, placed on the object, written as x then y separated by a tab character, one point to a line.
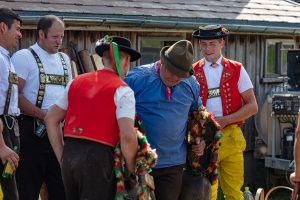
42	78
66	74
49	78
12	79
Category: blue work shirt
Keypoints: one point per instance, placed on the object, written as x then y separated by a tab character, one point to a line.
165	121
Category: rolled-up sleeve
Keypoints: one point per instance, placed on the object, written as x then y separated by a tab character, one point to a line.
125	102
62	102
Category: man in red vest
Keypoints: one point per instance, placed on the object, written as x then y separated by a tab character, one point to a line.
99	110
227	91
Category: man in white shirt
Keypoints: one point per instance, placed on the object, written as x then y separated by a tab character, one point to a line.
43	75
227	91
99	111
10	25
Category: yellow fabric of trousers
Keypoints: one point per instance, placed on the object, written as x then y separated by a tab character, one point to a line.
1	193
231	164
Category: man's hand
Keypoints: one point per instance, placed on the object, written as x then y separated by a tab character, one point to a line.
294	180
6	154
223	121
198	149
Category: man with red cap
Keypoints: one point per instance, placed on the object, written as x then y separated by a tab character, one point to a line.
99	111
227	91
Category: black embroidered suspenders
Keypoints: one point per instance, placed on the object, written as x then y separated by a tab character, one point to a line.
49	78
12	79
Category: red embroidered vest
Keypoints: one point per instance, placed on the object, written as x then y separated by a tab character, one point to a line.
91	111
230	96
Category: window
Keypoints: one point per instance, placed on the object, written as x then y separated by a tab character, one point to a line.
150	47
276	57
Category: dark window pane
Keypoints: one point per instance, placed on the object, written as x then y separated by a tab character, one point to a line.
150	49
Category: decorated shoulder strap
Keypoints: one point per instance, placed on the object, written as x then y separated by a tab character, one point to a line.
49	78
12	79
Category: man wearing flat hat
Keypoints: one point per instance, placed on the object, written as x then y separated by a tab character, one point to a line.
99	111
165	94
227	91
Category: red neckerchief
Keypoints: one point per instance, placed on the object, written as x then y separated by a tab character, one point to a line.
168	89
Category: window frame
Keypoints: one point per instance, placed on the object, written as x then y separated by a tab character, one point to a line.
159	38
279	72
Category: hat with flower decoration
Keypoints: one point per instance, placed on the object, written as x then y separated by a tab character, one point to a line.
123	45
210	32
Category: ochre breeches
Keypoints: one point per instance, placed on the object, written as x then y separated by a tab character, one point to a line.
231	164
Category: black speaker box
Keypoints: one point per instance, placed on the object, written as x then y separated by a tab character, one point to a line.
293	69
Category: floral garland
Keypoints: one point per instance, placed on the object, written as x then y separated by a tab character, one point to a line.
146	158
203	126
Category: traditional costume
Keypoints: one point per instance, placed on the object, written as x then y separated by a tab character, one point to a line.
164	112
94	102
8	112
46	76
221	85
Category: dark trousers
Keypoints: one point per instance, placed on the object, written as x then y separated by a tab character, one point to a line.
88	170
9	186
37	164
167	182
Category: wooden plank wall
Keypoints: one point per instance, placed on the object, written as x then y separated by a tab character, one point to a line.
247	49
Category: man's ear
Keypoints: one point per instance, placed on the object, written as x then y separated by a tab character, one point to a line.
125	61
3	27
102	61
41	34
128	60
223	42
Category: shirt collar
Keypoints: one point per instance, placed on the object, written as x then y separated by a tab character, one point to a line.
219	62
4	51
42	51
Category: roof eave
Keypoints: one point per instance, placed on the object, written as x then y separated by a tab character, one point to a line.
166	22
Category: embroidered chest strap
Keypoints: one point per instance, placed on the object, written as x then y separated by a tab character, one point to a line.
12	80
213	92
49	78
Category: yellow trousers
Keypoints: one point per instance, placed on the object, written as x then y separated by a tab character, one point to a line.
231	164
1	193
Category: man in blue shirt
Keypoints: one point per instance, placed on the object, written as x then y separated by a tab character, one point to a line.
165	93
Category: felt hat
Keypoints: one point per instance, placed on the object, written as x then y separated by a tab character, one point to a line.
123	45
210	32
178	58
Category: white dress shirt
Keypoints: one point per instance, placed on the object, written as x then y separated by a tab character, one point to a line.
5	67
